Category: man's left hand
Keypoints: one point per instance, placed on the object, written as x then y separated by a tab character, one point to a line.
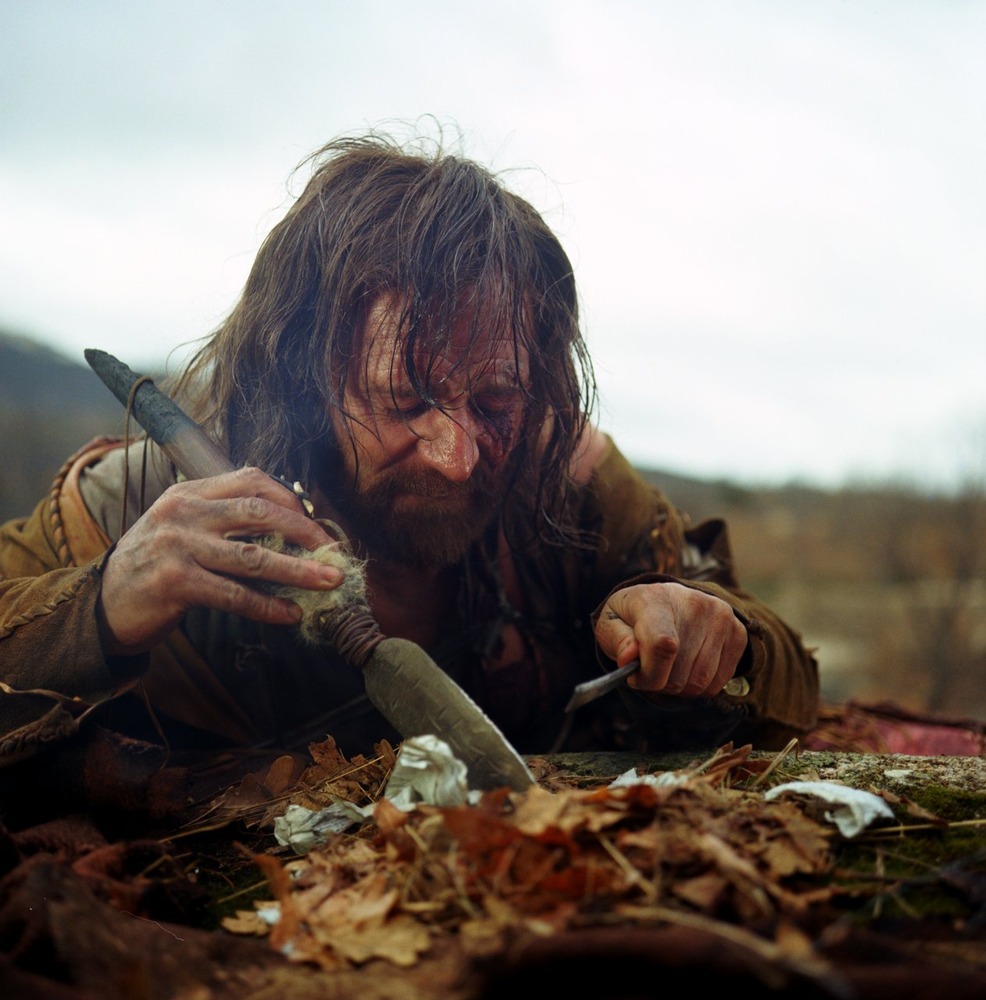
689	643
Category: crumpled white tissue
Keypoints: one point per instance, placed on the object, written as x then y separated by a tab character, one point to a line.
855	810
662	780
426	771
302	829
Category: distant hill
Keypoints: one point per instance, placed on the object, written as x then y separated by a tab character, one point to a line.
50	405
35	376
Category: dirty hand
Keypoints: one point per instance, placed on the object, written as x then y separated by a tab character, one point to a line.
191	549
689	643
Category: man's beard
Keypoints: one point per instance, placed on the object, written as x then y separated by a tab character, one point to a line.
436	528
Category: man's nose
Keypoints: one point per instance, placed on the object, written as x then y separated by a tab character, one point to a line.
449	443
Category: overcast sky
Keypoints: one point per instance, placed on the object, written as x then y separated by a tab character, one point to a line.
776	210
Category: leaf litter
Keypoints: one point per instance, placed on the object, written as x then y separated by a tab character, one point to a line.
699	850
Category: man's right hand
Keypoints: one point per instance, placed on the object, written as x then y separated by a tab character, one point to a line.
191	549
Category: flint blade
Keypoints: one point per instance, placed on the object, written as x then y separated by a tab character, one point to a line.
180	438
417	697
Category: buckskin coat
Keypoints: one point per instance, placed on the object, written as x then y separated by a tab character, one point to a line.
519	637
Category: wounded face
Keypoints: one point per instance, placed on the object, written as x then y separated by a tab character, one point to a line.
428	475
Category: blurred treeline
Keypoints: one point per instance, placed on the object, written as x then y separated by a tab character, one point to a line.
886	581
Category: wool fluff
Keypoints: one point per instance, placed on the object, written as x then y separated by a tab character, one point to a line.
315	604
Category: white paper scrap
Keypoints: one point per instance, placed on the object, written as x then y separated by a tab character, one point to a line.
662	780
302	829
426	771
855	809
269	913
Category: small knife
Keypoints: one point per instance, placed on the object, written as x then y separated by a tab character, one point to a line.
588	691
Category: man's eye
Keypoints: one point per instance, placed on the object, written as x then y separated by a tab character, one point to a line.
492	405
407	411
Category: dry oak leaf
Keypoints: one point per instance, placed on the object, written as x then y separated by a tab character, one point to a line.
353	925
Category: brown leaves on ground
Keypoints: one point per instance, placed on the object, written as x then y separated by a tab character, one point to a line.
540	863
258	798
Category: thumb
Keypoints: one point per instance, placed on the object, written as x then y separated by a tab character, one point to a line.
615	636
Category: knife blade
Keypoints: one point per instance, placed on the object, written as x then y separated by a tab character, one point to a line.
407	687
588	691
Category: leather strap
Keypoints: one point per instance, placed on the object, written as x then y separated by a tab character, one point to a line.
78	538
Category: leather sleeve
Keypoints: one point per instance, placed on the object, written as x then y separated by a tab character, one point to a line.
51	664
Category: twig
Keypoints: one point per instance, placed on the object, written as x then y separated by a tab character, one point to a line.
632	873
242	892
775	763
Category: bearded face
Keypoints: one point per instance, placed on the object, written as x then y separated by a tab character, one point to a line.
428	476
415	519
